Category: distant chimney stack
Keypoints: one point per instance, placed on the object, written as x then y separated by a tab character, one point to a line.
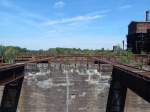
147	15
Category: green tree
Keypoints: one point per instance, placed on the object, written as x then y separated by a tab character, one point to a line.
10	54
2	51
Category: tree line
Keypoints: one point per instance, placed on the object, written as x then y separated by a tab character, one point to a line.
9	53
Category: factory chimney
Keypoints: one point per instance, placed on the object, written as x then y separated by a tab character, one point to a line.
148	15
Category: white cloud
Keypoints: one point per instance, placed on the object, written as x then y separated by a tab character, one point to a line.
125	6
74	19
105	11
59	4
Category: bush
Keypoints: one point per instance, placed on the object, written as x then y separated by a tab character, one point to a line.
10	55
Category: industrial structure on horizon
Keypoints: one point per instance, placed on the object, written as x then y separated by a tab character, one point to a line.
138	38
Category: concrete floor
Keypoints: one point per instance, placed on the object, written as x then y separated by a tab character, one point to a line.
68	89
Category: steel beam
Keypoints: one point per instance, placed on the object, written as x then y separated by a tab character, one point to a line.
117	94
11	77
11	96
11	73
138	83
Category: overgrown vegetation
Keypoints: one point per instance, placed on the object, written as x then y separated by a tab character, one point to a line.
9	53
126	57
67	61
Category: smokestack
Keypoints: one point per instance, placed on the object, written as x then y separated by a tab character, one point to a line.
147	15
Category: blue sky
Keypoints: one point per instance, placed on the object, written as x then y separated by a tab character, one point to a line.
43	24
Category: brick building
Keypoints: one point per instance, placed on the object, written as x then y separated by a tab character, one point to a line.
138	38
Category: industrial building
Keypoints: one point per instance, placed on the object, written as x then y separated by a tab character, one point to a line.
138	38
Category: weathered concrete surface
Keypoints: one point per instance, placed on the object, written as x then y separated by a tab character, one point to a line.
71	89
135	103
68	89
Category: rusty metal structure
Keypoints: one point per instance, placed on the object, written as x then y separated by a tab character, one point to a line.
123	77
11	77
138	38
